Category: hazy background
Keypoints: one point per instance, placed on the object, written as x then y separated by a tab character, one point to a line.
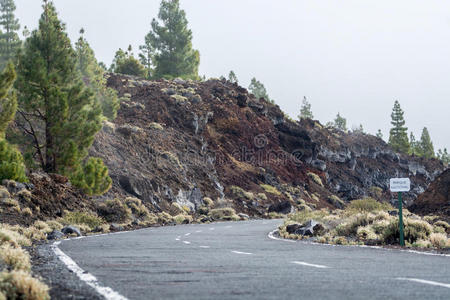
351	56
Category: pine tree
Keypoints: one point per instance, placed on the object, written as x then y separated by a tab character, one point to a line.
259	90
414	147
9	38
379	134
11	161
147	55
305	110
232	77
172	41
126	63
57	112
443	156
94	77
92	177
340	123
426	145
398	135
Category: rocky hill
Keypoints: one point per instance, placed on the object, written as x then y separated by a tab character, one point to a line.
436	199
181	141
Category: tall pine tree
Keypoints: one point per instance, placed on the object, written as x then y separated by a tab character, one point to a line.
9	38
56	111
232	77
94	77
11	161
426	145
126	63
259	90
398	135
147	55
305	110
172	42
340	122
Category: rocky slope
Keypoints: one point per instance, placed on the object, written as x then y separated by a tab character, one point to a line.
436	199
180	141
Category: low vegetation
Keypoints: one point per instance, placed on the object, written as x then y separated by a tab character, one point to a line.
367	221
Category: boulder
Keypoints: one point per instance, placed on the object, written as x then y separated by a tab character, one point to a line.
115	227
71	230
55	235
243	216
310	228
284	207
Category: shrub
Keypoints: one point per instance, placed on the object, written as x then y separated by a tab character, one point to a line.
270	189
376	191
20	285
208	201
16	258
368	205
80	218
443	224
314	177
414	230
13	235
137	208
366	233
226	213
439	240
27	212
92	177
41	225
262	196
422	244
164	218
336	201
240	193
183	219
114	211
155	126
54	225
12	165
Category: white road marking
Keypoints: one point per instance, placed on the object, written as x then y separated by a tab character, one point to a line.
228	226
177	239
187	234
309	265
212	228
88	278
446	285
239	252
186	242
198	231
205	247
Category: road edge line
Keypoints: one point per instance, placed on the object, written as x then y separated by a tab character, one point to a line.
84	276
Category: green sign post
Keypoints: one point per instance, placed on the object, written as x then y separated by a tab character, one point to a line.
400	219
400	185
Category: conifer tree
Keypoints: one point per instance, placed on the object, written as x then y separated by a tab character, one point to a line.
379	134
426	145
443	156
232	77
11	161
147	55
9	38
259	90
94	77
125	63
172	41
398	135
305	110
57	111
92	177
340	123
414	147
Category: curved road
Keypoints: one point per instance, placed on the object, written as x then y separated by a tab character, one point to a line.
237	260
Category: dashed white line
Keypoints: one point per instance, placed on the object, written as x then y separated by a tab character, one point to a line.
187	234
271	236
435	283
309	265
212	228
186	242
244	253
198	231
88	278
205	247
177	239
228	226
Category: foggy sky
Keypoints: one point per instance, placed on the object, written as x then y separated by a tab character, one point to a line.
350	56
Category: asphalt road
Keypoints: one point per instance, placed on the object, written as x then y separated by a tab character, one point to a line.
237	260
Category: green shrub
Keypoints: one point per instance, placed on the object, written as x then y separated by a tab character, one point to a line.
114	211
315	178
78	217
226	213
15	258
155	126
270	189
137	208
336	201
208	201
12	165
414	230
183	219
368	205
93	177
240	193
20	285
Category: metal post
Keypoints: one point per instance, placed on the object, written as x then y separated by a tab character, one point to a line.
400	216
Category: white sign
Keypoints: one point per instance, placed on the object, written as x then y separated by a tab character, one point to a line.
400	184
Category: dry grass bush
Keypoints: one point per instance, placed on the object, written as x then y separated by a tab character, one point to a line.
15	258
138	209
208	202
164	218
82	218
183	219
41	225
225	214
443	225
114	211
368	205
14	235
20	285
54	225
414	230
241	193
270	189
439	240
314	177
